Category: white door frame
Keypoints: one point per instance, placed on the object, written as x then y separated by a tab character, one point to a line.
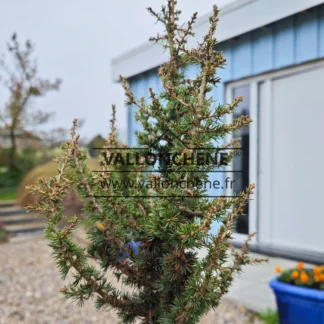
262	175
253	129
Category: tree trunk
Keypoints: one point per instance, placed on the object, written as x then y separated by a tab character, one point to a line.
13	150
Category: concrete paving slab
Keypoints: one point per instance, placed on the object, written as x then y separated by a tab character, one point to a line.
251	289
258	298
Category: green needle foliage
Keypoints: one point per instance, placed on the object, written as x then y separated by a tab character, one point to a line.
169	283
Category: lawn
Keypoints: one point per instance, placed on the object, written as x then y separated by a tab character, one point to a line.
8	195
270	317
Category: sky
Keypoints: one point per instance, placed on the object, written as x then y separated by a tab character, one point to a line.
76	40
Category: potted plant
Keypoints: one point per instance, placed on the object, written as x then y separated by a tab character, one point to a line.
300	294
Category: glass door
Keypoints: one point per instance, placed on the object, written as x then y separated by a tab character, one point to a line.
241	162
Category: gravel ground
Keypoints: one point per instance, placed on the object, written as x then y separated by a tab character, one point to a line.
29	292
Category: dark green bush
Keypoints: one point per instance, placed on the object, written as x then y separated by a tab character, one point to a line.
10	179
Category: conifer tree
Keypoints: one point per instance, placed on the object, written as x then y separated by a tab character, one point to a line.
150	238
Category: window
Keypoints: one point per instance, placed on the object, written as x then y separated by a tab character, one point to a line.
241	162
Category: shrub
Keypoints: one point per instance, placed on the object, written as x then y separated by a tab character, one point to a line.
72	203
97	142
26	159
10	179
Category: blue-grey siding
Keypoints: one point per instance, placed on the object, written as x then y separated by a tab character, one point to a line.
291	41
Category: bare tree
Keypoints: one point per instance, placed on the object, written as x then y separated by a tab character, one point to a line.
24	84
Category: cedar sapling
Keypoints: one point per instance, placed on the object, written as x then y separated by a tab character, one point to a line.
169	282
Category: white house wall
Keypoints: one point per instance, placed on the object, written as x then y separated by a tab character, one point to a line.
297	115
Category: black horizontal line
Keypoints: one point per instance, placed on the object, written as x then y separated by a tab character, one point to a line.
147	148
120	148
165	197
169	171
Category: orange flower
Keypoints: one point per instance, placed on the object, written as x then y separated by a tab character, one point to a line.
304	277
317	277
100	226
278	270
295	274
300	265
317	270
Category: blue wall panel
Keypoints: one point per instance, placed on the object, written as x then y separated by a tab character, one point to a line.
192	71
131	115
226	73
138	90
290	41
321	32
284	40
293	40
242	56
219	93
140	86
262	50
306	36
156	82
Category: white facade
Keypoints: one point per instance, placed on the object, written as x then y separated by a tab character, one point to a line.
286	159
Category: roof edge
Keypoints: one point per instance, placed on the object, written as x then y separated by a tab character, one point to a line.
200	21
247	15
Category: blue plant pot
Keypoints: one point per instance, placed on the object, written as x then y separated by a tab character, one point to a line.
298	305
133	246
